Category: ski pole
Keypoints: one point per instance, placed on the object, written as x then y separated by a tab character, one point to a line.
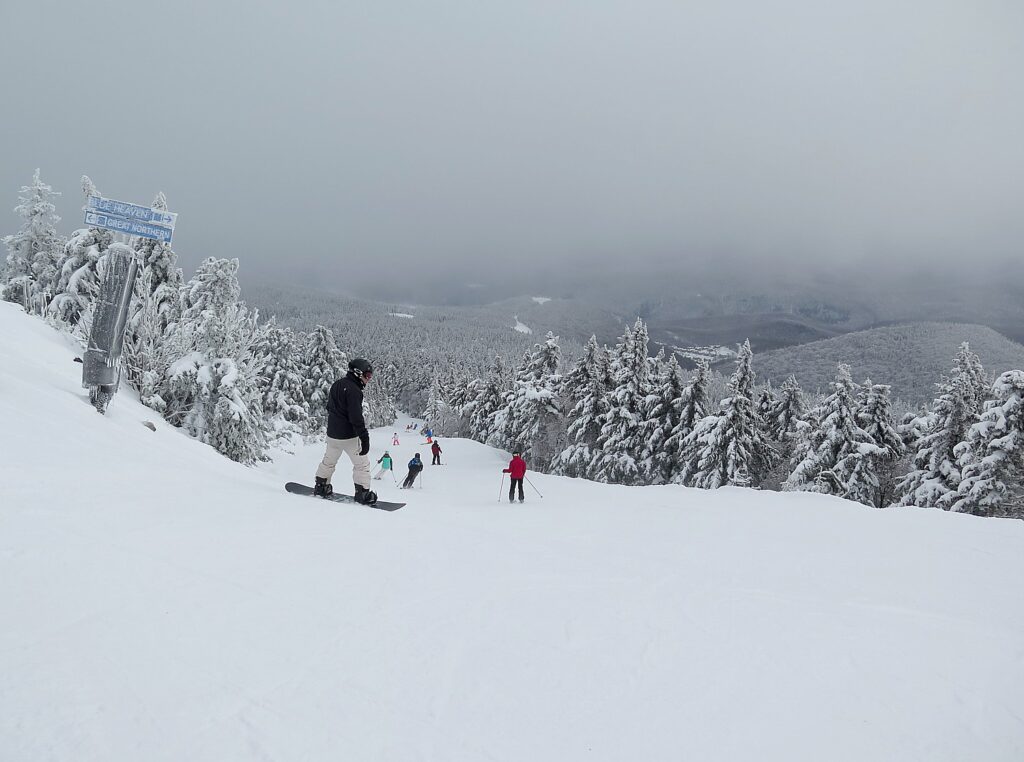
502	487
534	488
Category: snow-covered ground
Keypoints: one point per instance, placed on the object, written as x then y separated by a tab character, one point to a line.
162	603
520	326
541	299
712	353
402	315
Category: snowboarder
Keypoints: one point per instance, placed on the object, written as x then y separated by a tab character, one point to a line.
415	466
429	434
436	450
394	439
385	463
346	432
516	472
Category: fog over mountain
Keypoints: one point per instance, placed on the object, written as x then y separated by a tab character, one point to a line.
405	150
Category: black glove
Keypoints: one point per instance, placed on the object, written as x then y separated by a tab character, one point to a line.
364	440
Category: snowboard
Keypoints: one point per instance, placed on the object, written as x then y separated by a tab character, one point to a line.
301	489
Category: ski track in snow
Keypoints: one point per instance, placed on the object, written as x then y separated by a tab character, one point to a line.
166	604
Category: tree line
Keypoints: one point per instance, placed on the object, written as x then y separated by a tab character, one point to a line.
194	350
621	416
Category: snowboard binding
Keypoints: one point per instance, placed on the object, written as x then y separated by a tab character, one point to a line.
323	488
365	496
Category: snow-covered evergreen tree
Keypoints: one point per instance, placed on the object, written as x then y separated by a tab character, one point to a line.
33	253
936	474
836	456
787	411
585	389
694	405
619	453
500	424
281	379
489	399
785	418
914	427
437	414
324	364
729	448
766	403
874	415
78	281
154	307
78	277
211	390
456	391
936	470
378	406
149	348
159	261
978	382
664	414
225	412
474	389
991	458
534	421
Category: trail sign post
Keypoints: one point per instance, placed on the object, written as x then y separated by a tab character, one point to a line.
101	365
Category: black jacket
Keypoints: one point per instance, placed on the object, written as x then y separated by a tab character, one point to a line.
345	409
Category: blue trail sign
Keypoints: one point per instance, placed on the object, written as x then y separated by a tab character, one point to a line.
131	211
129	227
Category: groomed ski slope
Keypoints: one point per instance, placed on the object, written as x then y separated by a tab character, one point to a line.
162	603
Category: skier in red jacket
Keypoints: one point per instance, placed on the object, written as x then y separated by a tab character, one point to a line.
517	472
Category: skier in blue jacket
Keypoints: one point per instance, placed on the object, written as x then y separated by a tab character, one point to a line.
415	466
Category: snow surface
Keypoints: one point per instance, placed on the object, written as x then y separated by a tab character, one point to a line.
521	327
541	299
402	315
163	603
711	353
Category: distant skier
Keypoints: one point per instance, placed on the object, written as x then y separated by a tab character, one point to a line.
394	439
436	450
346	432
385	463
516	472
429	434
415	466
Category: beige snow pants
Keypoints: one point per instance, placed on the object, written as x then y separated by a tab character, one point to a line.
360	463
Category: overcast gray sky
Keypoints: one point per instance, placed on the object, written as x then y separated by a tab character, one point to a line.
349	142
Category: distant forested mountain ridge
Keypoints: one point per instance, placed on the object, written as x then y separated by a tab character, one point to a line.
911	358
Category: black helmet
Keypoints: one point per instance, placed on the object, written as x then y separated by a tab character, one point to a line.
360	368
